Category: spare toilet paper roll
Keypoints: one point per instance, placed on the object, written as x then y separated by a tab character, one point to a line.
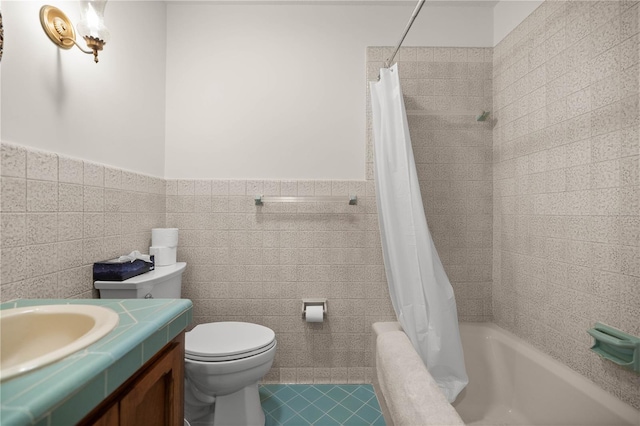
313	313
164	256
164	237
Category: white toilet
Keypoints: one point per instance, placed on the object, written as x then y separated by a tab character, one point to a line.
223	361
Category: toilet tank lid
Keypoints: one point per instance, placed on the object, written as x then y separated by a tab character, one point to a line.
160	273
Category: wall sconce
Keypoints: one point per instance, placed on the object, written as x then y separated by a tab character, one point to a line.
91	26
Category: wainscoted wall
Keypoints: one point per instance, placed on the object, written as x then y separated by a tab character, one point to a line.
566	176
256	263
61	214
250	263
444	90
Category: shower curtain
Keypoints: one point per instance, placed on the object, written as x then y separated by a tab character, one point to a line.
420	291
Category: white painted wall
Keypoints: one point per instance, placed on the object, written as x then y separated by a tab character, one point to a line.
252	90
278	91
508	14
61	101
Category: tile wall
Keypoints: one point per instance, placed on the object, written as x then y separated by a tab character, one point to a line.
250	263
61	214
566	182
444	90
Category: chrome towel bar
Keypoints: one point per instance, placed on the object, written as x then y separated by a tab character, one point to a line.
260	199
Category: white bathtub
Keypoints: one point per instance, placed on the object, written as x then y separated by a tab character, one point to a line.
512	383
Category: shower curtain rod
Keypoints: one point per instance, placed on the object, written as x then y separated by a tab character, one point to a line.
414	15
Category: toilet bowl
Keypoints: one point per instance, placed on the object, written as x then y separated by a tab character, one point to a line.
223	363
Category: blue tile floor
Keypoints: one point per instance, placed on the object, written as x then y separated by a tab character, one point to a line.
320	405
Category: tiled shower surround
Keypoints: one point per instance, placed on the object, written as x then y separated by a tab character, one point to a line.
60	214
444	90
566	210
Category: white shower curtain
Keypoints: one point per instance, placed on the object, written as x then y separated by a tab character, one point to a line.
420	290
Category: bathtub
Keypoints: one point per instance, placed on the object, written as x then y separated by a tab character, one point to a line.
512	383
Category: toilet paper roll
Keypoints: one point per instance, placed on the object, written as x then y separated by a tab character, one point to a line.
164	256
314	313
164	237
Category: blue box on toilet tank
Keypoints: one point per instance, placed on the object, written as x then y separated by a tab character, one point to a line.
114	270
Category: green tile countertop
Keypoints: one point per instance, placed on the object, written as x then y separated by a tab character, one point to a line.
64	392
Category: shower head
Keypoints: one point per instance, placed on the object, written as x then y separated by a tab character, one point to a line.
483	116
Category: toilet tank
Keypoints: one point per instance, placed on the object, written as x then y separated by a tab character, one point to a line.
164	282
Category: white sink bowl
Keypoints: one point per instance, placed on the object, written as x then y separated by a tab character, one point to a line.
35	336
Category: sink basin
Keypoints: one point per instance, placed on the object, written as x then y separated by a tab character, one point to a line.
35	336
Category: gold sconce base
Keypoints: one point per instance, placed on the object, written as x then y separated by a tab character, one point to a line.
58	27
95	44
61	32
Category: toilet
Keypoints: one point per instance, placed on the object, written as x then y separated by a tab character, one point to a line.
224	361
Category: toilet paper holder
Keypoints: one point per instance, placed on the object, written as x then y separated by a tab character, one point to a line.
314	302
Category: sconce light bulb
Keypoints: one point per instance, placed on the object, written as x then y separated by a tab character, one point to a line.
92	21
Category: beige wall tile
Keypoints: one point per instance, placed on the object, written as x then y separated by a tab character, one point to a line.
93	225
407	54
374	54
70	170
42	228
112	178
92	250
237	187
186	187
13	264
202	187
42	165
14	194
113	200
71	198
42	196
45	286
13	160
13	229
171	187
93	199
70	226
75	281
93	174
40	259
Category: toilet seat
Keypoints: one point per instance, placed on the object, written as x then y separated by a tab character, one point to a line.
227	341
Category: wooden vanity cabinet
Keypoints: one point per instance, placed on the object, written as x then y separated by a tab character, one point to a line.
154	395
